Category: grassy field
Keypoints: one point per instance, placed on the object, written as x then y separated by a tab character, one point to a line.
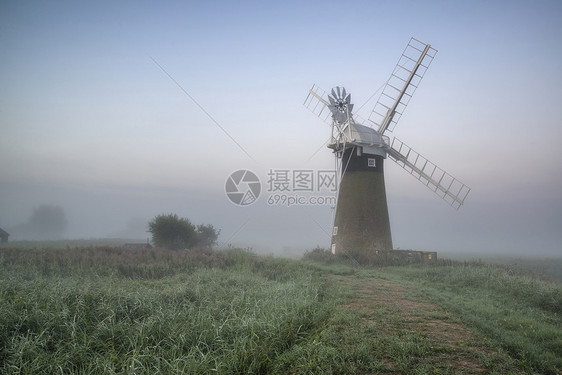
516	312
113	310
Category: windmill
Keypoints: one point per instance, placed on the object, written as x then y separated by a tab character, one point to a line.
361	225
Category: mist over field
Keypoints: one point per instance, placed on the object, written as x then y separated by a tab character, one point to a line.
92	125
125	212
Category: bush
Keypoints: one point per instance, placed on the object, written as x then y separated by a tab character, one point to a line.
175	233
207	235
319	255
172	232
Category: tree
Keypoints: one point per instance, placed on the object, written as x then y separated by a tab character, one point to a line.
172	232
207	235
46	223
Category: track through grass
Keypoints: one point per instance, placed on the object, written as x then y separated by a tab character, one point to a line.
518	313
110	310
383	327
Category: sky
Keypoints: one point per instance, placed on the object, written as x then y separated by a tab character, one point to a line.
120	111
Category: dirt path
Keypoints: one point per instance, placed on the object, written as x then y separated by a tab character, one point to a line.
393	311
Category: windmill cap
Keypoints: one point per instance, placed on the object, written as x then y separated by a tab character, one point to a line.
368	138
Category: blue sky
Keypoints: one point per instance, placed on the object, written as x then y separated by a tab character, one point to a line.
91	123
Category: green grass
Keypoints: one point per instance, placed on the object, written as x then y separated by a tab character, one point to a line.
61	313
376	337
516	312
110	310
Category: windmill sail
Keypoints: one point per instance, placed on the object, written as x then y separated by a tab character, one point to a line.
401	85
443	184
318	103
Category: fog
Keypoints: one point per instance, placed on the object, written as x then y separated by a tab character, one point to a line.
91	124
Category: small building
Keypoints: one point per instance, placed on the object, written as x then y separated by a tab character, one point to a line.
4	236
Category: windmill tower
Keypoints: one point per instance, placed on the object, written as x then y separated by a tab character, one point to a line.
361	224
